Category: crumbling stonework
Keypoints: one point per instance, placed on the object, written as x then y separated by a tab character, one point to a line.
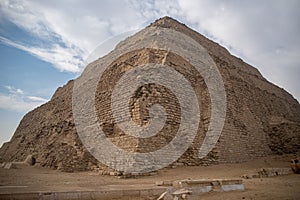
261	118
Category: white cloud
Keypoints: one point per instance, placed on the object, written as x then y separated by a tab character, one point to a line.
152	10
19	13
36	99
64	59
264	33
13	90
16	100
72	30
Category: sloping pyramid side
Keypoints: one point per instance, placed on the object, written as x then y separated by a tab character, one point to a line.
261	118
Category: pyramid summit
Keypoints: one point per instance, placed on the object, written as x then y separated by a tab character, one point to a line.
167	84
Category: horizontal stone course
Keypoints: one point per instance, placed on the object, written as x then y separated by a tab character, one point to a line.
261	118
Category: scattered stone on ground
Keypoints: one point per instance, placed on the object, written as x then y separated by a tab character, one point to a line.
30	160
269	172
27	179
295	165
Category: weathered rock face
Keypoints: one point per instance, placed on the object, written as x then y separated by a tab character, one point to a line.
49	133
261	118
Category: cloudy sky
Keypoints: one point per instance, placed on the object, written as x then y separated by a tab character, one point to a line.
43	44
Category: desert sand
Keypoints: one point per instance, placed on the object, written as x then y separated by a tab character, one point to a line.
35	178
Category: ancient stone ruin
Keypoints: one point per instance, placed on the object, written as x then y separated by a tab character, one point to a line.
261	118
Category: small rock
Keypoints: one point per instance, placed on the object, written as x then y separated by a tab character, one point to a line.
30	160
181	192
184	196
165	196
295	165
113	173
9	166
161	197
159	183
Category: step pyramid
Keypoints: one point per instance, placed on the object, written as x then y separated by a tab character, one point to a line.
163	97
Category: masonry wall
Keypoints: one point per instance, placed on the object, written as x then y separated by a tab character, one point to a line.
261	118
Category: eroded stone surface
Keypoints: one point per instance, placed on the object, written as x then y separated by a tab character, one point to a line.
261	118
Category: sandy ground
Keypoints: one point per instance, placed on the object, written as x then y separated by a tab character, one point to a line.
35	178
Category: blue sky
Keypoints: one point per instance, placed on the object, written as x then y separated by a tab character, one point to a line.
43	44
